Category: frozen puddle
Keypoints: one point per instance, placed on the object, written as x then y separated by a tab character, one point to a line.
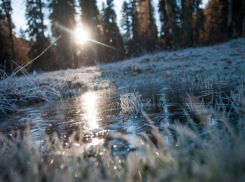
96	115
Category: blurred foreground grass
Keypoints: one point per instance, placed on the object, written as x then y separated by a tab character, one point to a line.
180	154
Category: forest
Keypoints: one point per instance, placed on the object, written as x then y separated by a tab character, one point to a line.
184	24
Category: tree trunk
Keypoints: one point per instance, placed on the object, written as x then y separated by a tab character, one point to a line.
170	7
230	18
10	33
187	11
40	6
135	22
243	28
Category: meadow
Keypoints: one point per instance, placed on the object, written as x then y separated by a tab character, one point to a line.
208	146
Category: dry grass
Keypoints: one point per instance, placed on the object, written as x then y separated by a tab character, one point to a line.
206	64
217	156
194	152
131	104
14	94
177	153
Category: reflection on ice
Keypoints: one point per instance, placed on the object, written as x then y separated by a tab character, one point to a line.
90	105
96	141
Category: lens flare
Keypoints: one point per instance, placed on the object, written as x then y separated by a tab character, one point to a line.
81	35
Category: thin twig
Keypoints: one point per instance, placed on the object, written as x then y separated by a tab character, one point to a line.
34	59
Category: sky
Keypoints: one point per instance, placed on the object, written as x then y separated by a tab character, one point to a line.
20	21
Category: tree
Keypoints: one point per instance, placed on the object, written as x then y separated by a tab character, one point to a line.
134	17
225	19
1	11
230	24
91	20
166	40
216	29
6	4
147	25
22	33
126	25
198	23
125	21
63	23
112	35
187	21
237	25
36	30
90	16
171	8
20	51
134	46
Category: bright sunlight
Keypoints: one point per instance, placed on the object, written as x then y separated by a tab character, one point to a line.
81	35
90	104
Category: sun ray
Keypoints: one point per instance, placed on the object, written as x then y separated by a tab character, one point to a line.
76	32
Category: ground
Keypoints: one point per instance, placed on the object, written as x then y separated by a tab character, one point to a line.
223	61
219	63
210	150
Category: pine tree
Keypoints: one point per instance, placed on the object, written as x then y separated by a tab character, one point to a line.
225	19
172	12
125	21
90	16
134	45
1	11
187	7
6	6
1	36
36	30
126	25
112	34
216	29
92	21
102	13
63	23
22	33
237	25
147	25
166	39
198	23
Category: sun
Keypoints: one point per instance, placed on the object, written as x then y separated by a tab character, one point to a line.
81	35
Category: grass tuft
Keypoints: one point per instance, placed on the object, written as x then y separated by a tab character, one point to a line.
14	94
131	104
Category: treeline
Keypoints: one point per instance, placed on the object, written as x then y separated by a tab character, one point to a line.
184	23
